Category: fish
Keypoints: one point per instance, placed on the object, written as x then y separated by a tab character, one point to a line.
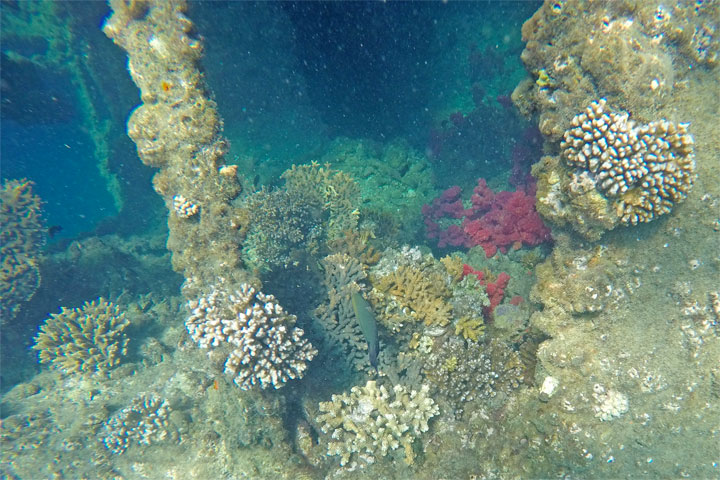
54	230
367	323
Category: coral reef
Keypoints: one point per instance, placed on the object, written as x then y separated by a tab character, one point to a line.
371	422
576	285
648	168
143	422
493	221
470	328
463	371
317	205
396	181
470	304
356	244
637	56
418	297
86	340
326	189
22	235
267	348
281	225
409	293
495	288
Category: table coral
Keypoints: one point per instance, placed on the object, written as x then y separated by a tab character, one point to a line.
268	350
22	235
372	421
87	340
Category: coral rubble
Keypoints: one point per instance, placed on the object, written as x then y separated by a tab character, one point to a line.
372	421
87	340
267	348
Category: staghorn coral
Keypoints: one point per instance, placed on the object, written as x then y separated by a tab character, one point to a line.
267	348
371	422
143	422
336	319
87	340
647	168
21	238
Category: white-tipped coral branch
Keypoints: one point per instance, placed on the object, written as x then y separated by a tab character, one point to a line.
371	421
647	168
268	349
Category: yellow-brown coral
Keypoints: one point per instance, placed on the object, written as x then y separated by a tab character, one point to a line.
331	189
355	244
419	294
21	238
87	340
470	328
454	266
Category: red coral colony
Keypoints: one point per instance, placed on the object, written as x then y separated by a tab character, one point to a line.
495	290
495	221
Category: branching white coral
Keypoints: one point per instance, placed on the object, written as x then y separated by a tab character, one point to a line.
371	421
267	347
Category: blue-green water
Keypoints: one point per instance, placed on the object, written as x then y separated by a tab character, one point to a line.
410	151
